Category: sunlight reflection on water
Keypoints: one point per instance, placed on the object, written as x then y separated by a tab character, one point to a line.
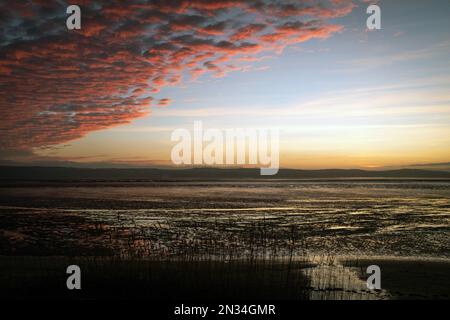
341	217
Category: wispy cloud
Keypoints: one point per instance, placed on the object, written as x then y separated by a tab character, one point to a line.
387	59
427	96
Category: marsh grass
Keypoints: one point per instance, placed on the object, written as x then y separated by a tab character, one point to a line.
156	262
105	278
191	259
200	261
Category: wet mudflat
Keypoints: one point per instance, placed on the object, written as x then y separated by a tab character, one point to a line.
295	224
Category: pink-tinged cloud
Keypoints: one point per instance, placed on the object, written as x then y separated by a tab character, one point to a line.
164	102
58	85
247	32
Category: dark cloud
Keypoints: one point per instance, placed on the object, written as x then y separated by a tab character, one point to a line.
57	85
164	102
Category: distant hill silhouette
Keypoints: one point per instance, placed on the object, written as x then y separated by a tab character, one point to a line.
146	174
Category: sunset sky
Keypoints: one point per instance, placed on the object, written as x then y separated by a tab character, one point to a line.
112	92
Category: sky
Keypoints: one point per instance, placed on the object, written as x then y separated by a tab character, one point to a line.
112	92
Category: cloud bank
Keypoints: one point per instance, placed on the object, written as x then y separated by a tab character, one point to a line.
58	85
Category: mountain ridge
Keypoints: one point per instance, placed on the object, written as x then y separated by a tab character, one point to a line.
142	174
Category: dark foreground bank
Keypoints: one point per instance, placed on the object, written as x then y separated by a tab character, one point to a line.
42	278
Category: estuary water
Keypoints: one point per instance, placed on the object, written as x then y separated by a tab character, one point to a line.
234	219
